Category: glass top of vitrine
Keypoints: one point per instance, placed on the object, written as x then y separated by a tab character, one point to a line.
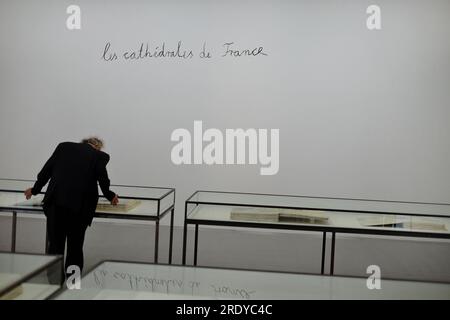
121	280
322	203
15	269
365	216
133	200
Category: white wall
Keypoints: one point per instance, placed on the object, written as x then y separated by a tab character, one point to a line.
361	113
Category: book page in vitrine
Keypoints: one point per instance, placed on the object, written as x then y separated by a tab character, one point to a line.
125	205
279	215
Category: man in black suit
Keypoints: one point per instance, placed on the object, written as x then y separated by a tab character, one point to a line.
72	194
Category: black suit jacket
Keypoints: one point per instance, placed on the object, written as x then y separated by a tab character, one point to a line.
74	170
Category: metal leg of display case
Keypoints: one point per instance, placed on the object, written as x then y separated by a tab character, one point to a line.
13	231
184	243
184	235
324	243
196	245
171	235
333	245
156	241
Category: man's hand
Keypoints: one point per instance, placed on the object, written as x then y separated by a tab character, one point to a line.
115	200
28	193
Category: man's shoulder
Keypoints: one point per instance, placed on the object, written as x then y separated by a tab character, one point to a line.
66	144
103	155
84	147
98	153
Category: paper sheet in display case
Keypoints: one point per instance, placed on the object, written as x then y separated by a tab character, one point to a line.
124	205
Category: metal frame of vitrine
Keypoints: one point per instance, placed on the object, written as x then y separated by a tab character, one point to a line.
157	218
98	264
297	227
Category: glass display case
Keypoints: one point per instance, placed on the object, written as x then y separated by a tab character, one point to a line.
112	280
135	203
326	215
29	276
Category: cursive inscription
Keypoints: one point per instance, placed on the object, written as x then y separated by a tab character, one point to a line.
179	51
138	282
231	51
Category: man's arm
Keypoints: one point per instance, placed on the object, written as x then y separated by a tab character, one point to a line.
43	176
103	179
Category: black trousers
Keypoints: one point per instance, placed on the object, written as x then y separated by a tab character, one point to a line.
64	225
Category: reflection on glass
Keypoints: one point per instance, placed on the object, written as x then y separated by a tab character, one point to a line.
120	280
404	222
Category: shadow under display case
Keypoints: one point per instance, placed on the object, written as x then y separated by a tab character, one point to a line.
112	280
29	276
135	203
326	215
